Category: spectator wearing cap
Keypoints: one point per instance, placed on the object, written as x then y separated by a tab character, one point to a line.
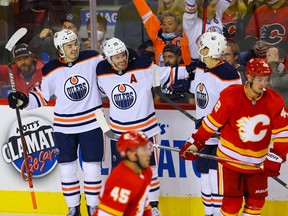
42	44
27	70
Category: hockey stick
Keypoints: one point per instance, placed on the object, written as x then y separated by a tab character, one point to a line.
212	157
159	92
280	182
9	46
204	16
103	125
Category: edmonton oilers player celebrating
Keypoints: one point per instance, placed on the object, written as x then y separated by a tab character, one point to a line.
72	79
127	81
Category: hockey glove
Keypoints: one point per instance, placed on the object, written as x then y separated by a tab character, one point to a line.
272	165
191	68
147	212
18	99
191	145
180	86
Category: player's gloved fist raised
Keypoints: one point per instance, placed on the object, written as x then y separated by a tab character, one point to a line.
272	165
17	99
192	145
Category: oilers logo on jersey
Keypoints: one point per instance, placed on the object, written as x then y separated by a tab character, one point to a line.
76	88
123	96
202	96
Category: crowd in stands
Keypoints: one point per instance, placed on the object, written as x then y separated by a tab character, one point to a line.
251	28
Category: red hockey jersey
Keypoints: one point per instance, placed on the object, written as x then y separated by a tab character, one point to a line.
125	192
247	127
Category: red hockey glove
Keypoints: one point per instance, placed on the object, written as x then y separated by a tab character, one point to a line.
191	145
147	212
272	165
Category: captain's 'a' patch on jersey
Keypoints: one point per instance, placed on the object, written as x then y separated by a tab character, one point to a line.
76	88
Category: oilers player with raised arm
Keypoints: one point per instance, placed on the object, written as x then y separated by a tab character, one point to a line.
72	79
249	115
212	75
127	82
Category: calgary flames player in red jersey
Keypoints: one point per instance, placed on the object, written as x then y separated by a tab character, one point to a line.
250	116
126	189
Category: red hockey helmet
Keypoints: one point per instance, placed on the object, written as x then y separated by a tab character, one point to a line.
258	67
130	140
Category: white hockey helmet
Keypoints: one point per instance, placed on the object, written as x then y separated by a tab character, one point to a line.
62	37
114	46
215	42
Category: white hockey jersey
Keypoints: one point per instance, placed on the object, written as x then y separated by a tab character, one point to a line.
130	95
193	25
75	87
207	86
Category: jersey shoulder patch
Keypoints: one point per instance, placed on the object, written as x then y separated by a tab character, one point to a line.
138	63
104	67
87	54
50	66
225	71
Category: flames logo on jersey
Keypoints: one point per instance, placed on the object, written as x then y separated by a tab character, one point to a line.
76	88
253	128
123	96
229	30
202	97
272	33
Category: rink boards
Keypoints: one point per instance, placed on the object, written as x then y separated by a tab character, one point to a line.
180	187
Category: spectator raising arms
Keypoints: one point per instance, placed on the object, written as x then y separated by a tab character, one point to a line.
171	5
193	20
167	30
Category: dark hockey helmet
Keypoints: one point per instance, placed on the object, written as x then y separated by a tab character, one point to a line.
131	140
258	67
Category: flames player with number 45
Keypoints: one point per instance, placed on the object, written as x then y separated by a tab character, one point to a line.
126	189
72	79
250	115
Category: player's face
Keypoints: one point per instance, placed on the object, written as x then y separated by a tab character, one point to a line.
211	9
170	59
144	154
24	64
71	50
169	24
120	61
260	83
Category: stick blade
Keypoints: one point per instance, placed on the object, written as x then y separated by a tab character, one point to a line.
15	38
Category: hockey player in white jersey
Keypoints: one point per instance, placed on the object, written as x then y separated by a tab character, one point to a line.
212	75
72	79
193	20
127	81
